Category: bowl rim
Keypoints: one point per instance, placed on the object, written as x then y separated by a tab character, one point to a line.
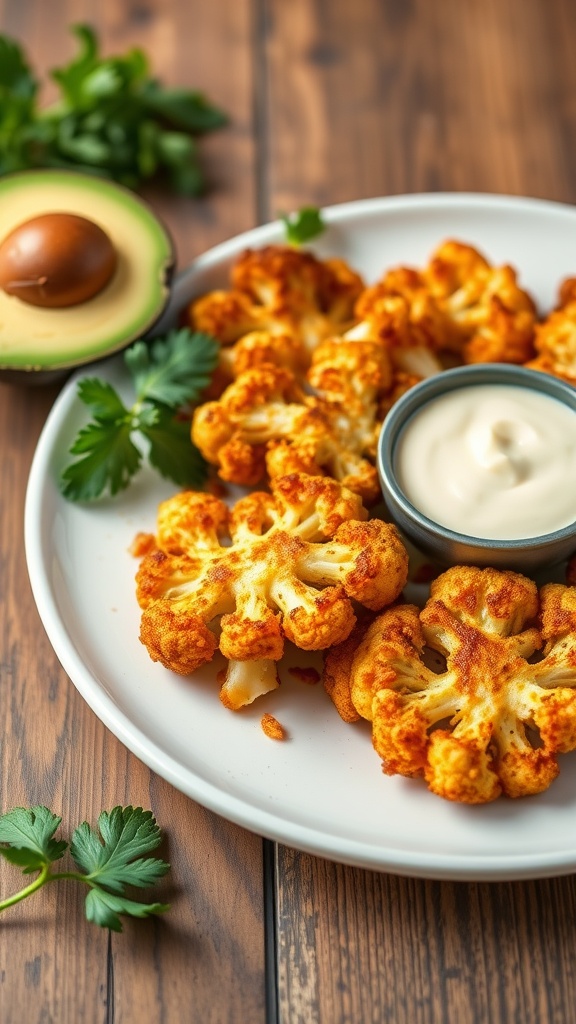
435	386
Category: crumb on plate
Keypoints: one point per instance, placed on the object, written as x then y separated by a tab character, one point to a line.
271	727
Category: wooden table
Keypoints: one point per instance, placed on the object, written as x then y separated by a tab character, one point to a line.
328	102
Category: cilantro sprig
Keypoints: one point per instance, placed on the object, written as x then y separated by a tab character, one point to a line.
112	118
302	226
168	374
107	860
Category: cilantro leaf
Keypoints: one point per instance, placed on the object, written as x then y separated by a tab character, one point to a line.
18	89
189	110
110	460
103	908
106	862
111	118
303	226
15	75
29	833
173	370
117	859
172	452
104	401
168	374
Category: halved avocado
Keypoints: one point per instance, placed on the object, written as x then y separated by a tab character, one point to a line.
36	341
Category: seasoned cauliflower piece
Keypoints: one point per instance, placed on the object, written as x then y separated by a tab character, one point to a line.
493	720
492	317
275	566
555	344
244	681
401	312
259	347
344	370
265	421
457	309
337	668
225	315
278	292
567	292
316	297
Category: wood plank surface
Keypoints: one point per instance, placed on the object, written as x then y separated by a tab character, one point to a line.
204	961
330	100
374	98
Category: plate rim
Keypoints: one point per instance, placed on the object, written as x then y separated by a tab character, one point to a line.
432	865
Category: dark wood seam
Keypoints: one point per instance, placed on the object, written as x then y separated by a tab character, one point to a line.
270	932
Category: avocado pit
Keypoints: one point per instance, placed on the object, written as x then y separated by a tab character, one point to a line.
56	260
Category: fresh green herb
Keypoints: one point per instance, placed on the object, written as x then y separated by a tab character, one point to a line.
303	226
106	862
112	118
168	375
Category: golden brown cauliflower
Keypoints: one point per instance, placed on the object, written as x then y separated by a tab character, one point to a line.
265	422
401	312
337	668
492	317
457	309
555	343
259	347
493	720
287	299
285	565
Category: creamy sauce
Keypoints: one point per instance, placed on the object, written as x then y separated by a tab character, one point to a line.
493	461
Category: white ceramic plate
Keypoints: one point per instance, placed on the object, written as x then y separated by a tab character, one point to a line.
322	790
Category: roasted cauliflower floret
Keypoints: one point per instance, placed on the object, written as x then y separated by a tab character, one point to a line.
265	421
457	309
337	668
283	565
491	315
280	291
259	347
400	311
361	377
493	720
555	343
316	297
225	315
567	292
344	370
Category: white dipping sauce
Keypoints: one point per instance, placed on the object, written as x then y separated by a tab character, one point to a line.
493	461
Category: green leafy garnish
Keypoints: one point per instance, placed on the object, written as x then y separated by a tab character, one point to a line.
303	226
107	861
112	118
168	374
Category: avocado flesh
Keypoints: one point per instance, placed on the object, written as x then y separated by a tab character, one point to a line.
34	338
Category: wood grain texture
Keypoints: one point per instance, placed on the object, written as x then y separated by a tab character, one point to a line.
358	946
371	98
204	961
330	100
379	97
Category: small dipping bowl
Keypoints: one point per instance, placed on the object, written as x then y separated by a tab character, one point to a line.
445	545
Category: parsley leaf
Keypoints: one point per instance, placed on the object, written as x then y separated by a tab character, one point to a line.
103	908
112	118
168	374
171	451
106	862
127	833
303	226
29	833
110	460
167	371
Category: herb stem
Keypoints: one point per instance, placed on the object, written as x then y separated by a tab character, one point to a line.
43	878
38	882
